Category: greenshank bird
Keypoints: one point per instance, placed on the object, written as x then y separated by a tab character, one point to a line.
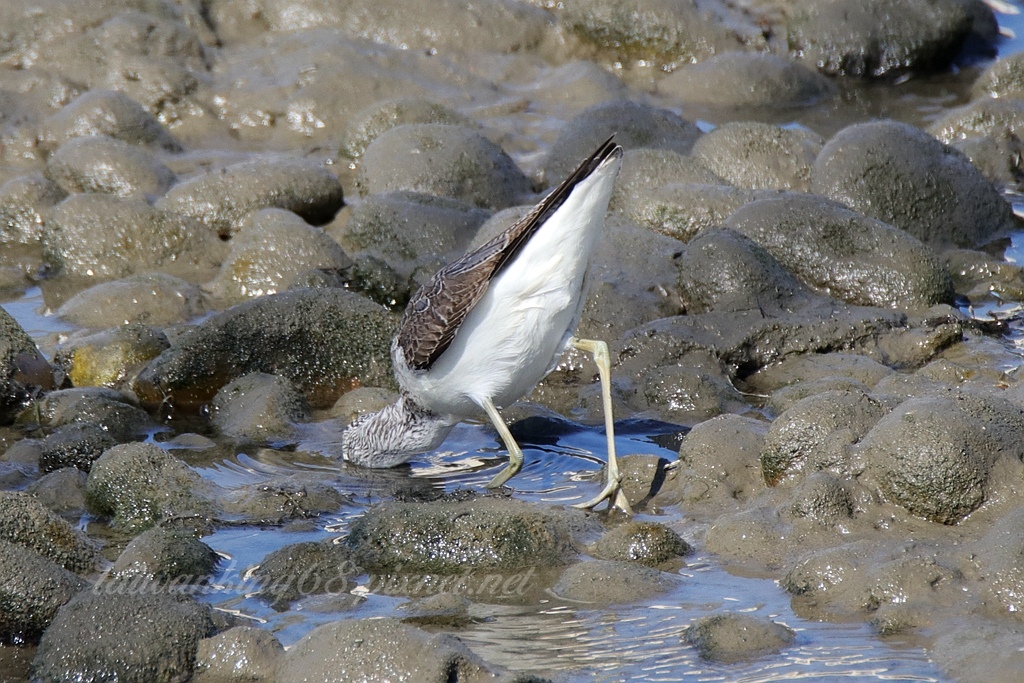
487	327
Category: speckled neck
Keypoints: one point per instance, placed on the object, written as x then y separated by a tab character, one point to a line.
394	435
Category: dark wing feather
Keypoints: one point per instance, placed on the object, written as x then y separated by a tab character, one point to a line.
439	308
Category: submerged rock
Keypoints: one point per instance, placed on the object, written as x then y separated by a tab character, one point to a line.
734	637
607	582
110	113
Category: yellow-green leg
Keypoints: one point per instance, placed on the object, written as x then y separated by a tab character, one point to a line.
612	491
515	453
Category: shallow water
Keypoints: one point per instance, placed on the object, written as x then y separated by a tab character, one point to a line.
641	642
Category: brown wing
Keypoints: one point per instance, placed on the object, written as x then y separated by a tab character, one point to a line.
438	309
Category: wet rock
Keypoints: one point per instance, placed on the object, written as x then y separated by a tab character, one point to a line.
646	543
414	234
137	485
142	637
23	454
735	637
741	342
165	555
718	462
642	477
23	369
63	490
891	38
447	537
284	498
110	357
665	34
449	610
271	249
449	161
221	200
933	455
324	341
97	163
697	388
800	370
723	270
74	445
902	176
823	497
996	156
359	649
372	122
784	398
844	254
150	299
755	535
360	401
1000	554
988	132
32	589
302	569
815	433
26	522
257	407
683	211
633	124
606	582
759	156
109	113
747	79
443	26
1003	79
99	235
23	202
242	653
108	409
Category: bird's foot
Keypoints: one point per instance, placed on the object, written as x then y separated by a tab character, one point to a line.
511	469
612	492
